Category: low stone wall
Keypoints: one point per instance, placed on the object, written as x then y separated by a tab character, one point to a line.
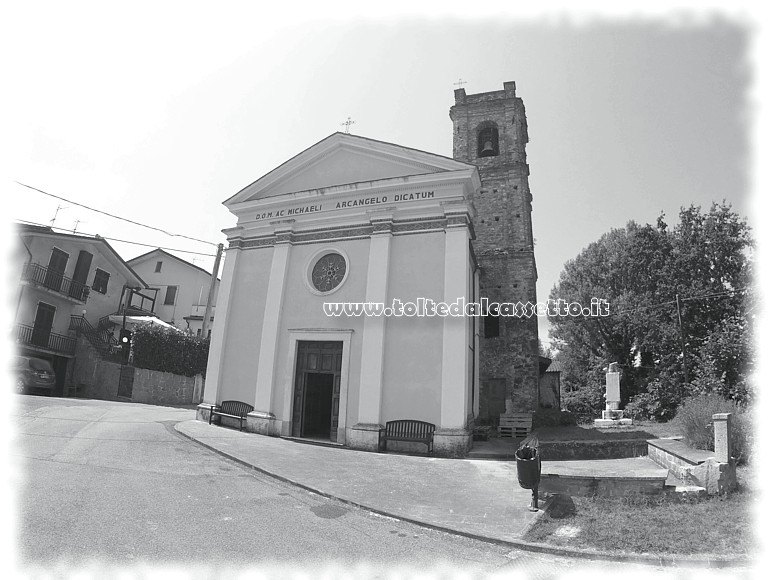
159	388
590	449
693	466
675	456
99	379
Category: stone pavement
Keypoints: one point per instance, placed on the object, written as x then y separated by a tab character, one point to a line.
472	497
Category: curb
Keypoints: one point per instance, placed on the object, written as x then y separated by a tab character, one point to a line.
667	561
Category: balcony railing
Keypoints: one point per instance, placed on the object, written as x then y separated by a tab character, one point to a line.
200	310
55	281
44	338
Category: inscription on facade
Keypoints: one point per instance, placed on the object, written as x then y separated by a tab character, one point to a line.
400	197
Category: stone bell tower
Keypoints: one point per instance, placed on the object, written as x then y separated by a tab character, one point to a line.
490	131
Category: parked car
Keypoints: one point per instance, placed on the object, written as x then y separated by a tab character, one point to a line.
33	373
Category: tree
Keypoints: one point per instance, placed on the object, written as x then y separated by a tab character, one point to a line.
640	270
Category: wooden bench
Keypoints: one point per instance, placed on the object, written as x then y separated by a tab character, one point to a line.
234	409
407	430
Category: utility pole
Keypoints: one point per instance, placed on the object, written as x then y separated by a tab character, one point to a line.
681	338
212	286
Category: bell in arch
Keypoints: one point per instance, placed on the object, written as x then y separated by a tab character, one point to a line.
487	143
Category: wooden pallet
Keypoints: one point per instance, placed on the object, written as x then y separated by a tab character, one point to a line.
515	425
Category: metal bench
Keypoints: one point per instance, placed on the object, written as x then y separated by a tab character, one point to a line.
234	409
407	430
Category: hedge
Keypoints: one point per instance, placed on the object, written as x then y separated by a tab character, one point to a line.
162	349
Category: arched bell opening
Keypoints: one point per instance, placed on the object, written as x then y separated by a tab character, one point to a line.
488	145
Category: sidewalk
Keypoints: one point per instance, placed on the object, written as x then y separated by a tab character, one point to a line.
472	497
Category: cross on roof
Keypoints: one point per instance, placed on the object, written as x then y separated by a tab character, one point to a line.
347	125
460	83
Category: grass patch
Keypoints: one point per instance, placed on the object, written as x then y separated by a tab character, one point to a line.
717	525
640	430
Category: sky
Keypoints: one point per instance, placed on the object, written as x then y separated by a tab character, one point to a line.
161	112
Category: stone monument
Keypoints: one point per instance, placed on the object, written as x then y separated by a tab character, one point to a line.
612	416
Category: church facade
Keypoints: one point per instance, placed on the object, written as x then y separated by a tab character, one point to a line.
343	298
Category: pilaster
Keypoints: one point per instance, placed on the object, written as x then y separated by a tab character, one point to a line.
364	433
455	359
268	344
221	323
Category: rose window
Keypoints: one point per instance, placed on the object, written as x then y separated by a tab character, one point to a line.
328	272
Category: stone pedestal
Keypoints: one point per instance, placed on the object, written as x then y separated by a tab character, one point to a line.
452	442
364	436
723	444
203	412
612	416
263	423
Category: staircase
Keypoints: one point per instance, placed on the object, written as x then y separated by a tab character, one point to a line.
101	339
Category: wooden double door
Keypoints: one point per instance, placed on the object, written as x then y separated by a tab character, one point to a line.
317	390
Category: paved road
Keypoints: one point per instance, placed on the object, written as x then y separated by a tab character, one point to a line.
113	485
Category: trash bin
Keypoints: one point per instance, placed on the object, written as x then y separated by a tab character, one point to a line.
528	470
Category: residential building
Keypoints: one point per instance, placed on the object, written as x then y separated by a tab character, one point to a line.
68	283
183	289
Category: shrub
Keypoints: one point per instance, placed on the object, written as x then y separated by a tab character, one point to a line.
693	419
664	394
743	436
170	351
585	404
640	408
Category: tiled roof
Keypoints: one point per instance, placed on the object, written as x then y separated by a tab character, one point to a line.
555	367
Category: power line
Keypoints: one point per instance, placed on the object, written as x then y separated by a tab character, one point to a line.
697	297
668	303
638	308
117	217
117	239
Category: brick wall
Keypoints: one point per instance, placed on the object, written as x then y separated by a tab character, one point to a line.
504	243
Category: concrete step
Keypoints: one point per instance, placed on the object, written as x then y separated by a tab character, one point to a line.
677	488
603	477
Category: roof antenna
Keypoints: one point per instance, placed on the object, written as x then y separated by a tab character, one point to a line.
58	207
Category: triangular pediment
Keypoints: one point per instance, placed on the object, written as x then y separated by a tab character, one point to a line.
342	159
